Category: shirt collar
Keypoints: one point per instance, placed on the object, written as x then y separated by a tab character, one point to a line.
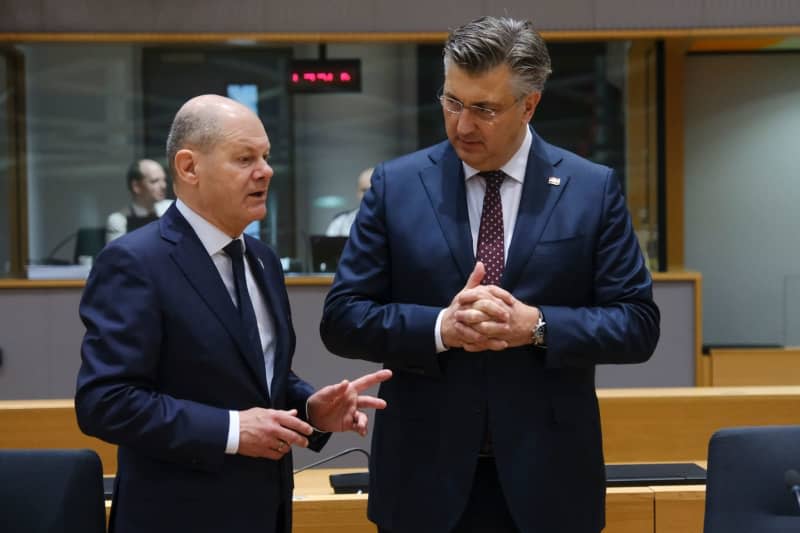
514	167
212	238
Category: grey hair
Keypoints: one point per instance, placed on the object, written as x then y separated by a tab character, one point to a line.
488	42
191	128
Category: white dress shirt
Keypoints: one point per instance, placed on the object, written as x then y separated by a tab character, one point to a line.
341	224
214	240
510	194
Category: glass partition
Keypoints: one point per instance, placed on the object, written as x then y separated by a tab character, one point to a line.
91	109
12	241
5	169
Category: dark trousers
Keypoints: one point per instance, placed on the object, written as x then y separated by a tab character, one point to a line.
486	510
283	522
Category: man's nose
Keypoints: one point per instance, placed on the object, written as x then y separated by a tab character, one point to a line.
265	170
466	123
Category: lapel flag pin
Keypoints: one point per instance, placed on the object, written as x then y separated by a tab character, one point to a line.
552	180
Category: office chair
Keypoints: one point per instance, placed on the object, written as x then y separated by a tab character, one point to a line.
51	491
745	488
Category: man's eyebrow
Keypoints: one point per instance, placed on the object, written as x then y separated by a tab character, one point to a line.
475	104
248	145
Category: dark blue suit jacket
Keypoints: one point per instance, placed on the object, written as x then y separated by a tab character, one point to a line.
573	254
163	361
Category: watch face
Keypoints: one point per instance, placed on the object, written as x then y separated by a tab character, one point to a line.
538	333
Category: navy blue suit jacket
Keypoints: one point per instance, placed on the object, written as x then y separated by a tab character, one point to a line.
573	254
163	361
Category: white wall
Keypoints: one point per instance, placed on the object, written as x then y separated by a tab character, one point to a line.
742	192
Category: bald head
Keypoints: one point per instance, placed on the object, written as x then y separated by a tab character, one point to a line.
219	153
201	122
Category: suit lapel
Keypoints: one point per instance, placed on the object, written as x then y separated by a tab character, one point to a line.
538	199
195	263
269	286
444	183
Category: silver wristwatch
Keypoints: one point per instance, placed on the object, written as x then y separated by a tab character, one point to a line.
537	335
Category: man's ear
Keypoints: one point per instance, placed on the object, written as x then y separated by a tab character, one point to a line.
185	163
531	101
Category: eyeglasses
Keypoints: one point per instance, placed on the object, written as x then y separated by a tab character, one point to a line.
454	106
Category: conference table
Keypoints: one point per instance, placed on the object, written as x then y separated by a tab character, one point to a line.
645	509
639	426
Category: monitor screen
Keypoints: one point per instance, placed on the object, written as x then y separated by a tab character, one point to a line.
325	252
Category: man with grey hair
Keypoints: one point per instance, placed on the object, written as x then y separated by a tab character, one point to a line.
491	273
187	356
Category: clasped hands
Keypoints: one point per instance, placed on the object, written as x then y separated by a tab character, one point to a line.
271	433
486	317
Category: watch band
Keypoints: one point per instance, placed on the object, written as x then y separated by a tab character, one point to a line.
537	335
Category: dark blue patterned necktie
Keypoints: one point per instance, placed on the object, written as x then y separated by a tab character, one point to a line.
491	251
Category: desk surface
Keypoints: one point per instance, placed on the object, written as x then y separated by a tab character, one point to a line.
315	483
661	509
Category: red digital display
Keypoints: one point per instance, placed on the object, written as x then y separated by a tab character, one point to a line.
329	75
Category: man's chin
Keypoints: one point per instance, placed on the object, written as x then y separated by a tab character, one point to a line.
470	159
470	154
257	213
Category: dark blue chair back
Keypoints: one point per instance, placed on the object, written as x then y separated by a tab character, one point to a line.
745	488
51	491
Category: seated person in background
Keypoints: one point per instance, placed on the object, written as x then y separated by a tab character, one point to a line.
147	183
340	225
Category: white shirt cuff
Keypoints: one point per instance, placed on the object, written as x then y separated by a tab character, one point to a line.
232	447
437	333
308	421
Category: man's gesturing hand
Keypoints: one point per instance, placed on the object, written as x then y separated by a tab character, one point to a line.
338	407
